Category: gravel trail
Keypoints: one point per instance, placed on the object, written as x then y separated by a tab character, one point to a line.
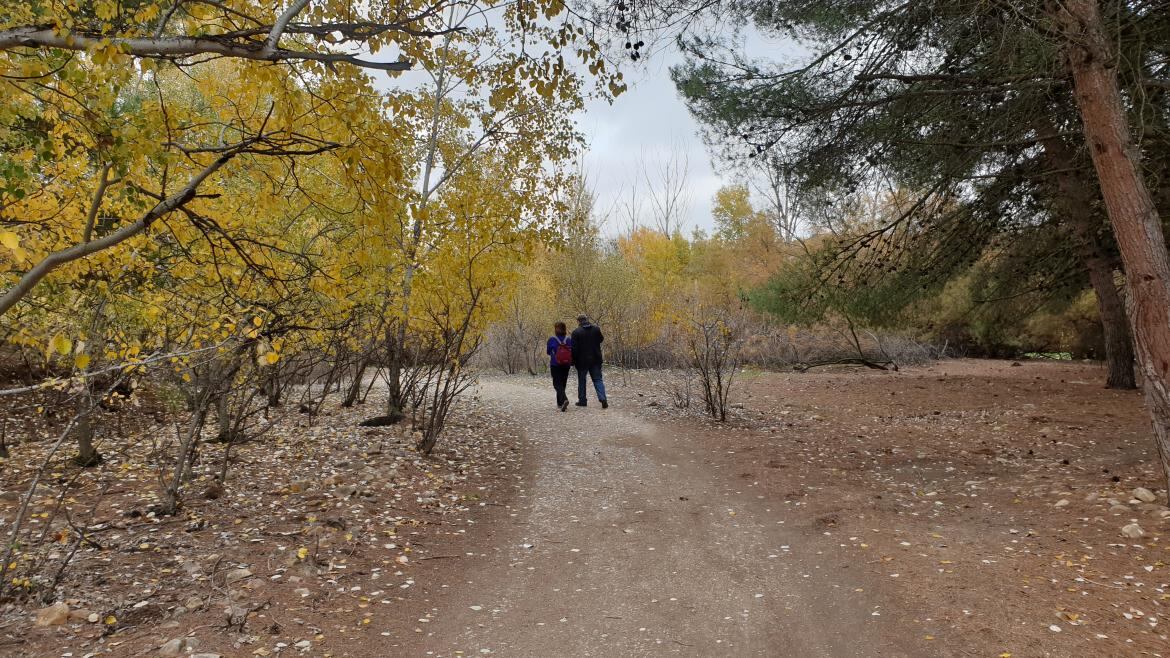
632	540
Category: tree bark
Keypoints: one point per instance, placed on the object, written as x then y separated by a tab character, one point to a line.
1114	324
1136	223
355	386
396	354
1077	201
87	453
224	417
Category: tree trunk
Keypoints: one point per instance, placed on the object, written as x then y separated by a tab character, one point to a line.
272	390
171	493
1115	325
1132	212
355	387
224	417
395	355
1078	201
87	453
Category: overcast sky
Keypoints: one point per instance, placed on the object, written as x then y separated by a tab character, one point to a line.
649	121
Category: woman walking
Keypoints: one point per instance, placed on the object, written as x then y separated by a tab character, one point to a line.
560	353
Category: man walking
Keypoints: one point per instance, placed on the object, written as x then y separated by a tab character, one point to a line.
587	340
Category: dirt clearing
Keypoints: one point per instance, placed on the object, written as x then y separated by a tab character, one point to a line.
964	509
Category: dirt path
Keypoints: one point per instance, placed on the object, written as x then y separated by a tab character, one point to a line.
632	541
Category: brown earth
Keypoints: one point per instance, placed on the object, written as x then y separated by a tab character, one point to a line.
847	513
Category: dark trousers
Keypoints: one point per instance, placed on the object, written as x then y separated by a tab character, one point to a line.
594	372
560	375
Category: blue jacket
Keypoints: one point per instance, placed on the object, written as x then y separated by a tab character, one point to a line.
551	349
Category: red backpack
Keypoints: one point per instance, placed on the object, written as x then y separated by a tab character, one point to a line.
563	355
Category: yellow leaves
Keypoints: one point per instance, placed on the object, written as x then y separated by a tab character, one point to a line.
81	361
11	241
105	52
302	553
148	13
271	358
105	9
110	620
60	344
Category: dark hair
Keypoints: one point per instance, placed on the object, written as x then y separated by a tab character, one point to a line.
560	328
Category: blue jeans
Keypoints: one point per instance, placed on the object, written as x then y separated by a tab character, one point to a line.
594	374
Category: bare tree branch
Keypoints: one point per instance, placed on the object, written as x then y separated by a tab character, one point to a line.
177	47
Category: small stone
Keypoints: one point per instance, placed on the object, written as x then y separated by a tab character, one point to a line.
236	575
236	615
302	592
93	618
1145	495
303	645
178	646
193	603
206	655
54	615
1132	531
1119	509
1061	503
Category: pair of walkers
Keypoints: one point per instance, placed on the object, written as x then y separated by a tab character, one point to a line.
581	350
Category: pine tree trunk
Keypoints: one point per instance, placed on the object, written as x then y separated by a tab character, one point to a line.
1114	324
1132	212
1078	200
